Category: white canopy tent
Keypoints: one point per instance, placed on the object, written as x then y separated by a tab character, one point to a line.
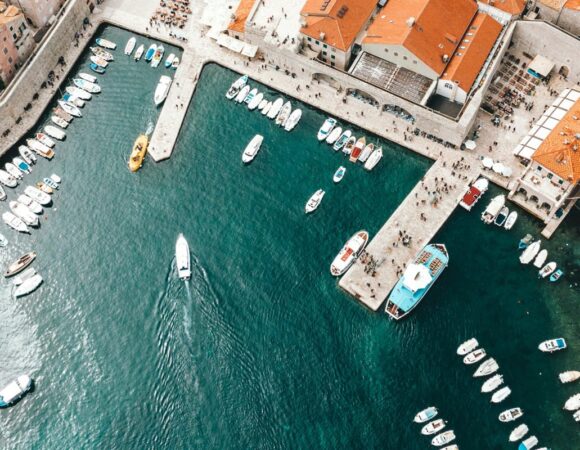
541	65
416	277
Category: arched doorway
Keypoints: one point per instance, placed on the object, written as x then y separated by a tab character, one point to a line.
326	79
399	112
363	96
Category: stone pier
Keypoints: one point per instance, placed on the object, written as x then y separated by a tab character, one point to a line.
371	287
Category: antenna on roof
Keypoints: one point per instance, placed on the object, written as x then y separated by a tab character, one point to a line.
410	22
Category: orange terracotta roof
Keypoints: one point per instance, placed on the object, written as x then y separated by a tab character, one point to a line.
557	153
339	21
468	60
436	31
11	13
241	15
513	7
573	4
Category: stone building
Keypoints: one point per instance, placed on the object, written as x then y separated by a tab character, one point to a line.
8	56
18	30
504	11
39	12
564	13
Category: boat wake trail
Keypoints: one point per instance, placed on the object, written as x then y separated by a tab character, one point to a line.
150	128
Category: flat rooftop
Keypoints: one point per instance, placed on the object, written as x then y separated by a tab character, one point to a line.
280	20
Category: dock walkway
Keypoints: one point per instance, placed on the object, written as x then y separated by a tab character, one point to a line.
373	276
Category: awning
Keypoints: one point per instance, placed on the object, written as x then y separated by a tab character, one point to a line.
236	45
487	163
416	277
541	66
470	145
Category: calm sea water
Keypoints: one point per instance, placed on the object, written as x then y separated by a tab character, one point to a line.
261	349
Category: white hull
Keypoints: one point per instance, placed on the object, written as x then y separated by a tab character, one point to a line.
518	432
492	384
349	253
467	347
293	120
130	46
486	368
374	159
162	89
314	202
182	258
275	108
573	403
530	252
252	149
28	286
569	376
501	395
14	222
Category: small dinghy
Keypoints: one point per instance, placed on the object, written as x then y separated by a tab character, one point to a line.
443	438
40	149
15	390
58	121
56	178
139	52
467	346
70	108
37	195
511	220
22	166
78	92
374	159
541	258
474	356
341	141
556	275
50	182
425	415
518	432
101	62
33	206
552	345
509	415
547	269
569	376
501	216
573	403
7	180
492	383
256	101
27	216
20	264
13	170
282	117
293	120
334	135
97	69
14	222
339	174
54	132
530	252
106	44
433	427
314	201
44	139
252	149
169	60
500	395
529	443
88	77
44	188
102	53
28	286
27	154
130	46
87	86
23	276
486	368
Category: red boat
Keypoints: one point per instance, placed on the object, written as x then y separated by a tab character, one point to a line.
476	190
357	150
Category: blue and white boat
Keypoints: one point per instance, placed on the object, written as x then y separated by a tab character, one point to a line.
19	162
150	52
418	278
96	68
425	415
552	345
556	275
525	241
529	443
339	174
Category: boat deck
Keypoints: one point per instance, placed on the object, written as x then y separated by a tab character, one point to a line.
371	287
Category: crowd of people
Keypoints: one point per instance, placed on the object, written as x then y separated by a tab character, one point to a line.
173	13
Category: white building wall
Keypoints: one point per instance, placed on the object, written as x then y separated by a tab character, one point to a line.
499	15
451	90
330	55
38	11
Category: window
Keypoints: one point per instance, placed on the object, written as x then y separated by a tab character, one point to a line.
539	169
550	175
333	56
560	181
317	43
309	39
448	85
386	50
10	59
405	58
5	51
324	46
396	54
324	53
332	49
332	64
414	61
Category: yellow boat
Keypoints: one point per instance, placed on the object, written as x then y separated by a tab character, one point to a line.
138	153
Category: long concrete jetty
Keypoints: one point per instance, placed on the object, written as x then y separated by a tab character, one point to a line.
413	224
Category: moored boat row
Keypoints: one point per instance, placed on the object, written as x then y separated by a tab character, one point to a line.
435	426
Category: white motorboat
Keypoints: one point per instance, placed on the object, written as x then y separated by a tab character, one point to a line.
349	253
54	132
541	258
326	129
105	43
569	376
56	178
14	222
87	86
169	60
433	427
27	154
45	140
349	145
40	149
518	432
32	205
50	182
27	216
530	252
262	104
7	180
573	403
552	345
474	193
139	52
509	415
99	61
275	108
547	270
28	286
501	394
158	56
444	438
283	115
23	276
255	102
493	209
576	416
339	174
267	108
314	201
13	170
37	195
70	108
368	150
467	346
14	390
342	140
78	92
73	100
474	356
21	164
130	46
486	368
511	220
162	89
529	443
236	87
250	96
293	119
107	56
242	94
425	415
334	135
59	121
374	159
502	216
87	77
252	149
491	384
182	258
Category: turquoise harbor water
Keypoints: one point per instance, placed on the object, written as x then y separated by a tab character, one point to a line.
261	349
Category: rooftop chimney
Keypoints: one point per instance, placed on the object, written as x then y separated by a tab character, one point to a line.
410	22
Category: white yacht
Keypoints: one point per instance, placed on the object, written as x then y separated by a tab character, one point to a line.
501	394
252	149
509	415
468	346
444	438
293	119
28	217
511	220
162	89
54	132
493	209
326	129
244	91
334	135
349	253
569	376
78	92
14	222
433	427
314	202
275	108
474	356
28	286
14	390
255	102
33	206
182	258
236	87
37	195
518	432
284	114
530	252
374	159
492	383
573	403
425	415
486	368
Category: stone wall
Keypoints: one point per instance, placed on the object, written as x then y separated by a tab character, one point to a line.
57	42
